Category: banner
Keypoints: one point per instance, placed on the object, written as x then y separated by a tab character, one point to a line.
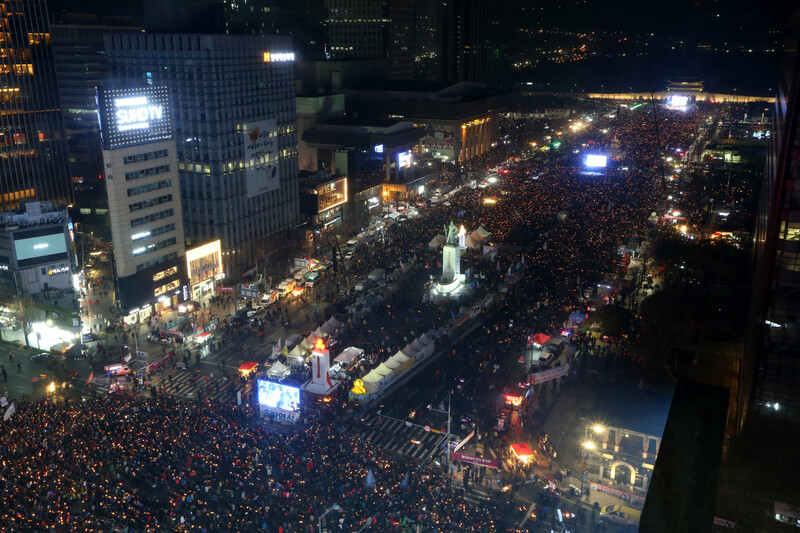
548	375
463	442
627	496
482	461
261	157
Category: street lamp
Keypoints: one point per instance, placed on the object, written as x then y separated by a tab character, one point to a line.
598	428
588	445
334	507
447	438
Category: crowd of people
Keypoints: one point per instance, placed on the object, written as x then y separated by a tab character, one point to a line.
117	464
154	464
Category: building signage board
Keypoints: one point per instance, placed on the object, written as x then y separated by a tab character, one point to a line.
262	173
204	262
548	375
482	461
130	116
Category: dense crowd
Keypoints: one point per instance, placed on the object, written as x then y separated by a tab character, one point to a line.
164	465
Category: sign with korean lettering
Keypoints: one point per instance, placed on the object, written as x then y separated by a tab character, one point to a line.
482	461
548	375
261	157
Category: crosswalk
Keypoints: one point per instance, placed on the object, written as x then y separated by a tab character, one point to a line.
477	494
185	384
399	437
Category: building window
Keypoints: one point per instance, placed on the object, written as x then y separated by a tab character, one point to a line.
153	247
128	159
163	184
150	203
145	172
151	218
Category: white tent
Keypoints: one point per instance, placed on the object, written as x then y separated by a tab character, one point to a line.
373	381
298	353
483	234
278	370
400	357
409	351
308	342
427	341
392	363
319	333
437	242
385	371
335	323
348	355
329	329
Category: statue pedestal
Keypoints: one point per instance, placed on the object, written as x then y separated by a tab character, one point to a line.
451	263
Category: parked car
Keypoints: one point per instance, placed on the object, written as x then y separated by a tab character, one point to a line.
45	358
618	514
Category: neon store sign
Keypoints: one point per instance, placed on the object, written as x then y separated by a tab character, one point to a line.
135	113
278	57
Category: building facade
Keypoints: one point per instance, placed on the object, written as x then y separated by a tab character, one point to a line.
144	199
475	39
32	143
234	122
770	383
36	249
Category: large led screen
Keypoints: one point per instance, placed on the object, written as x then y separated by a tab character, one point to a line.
596	161
32	249
278	396
678	101
133	116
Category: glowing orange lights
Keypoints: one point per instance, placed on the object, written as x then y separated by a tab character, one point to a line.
319	345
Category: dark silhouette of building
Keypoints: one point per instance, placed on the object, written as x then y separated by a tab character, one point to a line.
32	144
770	382
381	29
475	40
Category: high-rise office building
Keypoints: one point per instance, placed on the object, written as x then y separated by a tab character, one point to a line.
143	199
357	29
381	29
475	39
770	383
81	66
33	154
234	122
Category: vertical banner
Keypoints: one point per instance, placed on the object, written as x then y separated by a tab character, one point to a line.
261	157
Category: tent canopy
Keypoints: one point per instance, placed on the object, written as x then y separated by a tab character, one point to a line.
297	352
383	370
348	355
400	356
247	367
437	241
521	450
541	339
278	369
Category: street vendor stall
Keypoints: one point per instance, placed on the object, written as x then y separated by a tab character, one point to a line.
247	368
278	370
348	355
522	452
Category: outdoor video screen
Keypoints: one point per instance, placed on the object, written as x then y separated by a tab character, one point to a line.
678	101
33	250
278	396
596	161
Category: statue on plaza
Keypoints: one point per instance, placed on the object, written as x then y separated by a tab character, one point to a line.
452	234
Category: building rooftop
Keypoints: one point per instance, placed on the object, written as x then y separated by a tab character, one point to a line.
33	214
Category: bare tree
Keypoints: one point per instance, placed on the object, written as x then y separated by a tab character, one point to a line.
27	314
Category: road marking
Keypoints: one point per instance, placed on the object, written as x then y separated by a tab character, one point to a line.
527	515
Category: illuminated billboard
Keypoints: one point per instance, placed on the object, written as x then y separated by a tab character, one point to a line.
133	116
204	262
677	101
278	398
595	161
40	246
404	159
332	194
261	157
